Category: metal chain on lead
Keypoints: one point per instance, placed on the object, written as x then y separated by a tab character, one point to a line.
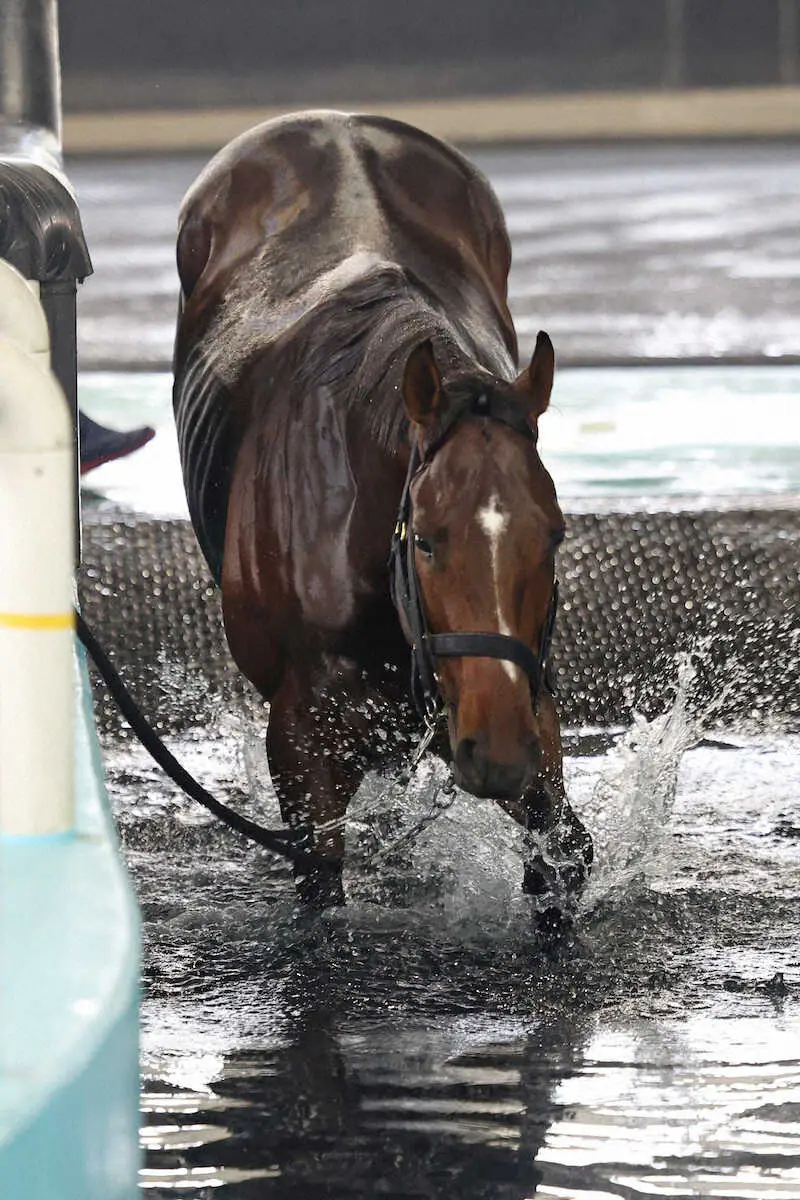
445	795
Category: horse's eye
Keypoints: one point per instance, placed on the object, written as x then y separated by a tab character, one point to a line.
556	538
423	546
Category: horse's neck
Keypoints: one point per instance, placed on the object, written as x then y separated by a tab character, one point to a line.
354	351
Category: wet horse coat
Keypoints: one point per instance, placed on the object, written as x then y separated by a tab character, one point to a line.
343	288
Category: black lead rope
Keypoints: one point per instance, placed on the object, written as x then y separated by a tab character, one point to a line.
287	843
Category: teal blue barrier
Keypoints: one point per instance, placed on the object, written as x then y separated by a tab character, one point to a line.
69	1001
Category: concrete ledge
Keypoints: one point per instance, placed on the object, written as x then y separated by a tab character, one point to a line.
69	946
708	113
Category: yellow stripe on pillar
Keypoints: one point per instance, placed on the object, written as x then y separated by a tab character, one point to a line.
37	620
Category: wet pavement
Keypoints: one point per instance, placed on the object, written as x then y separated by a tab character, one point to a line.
628	251
419	1043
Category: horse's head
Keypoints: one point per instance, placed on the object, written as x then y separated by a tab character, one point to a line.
483	527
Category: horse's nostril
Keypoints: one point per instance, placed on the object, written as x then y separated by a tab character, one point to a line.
479	774
468	757
466	748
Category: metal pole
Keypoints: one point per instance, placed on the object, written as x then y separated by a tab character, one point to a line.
788	41
30	78
40	226
675	60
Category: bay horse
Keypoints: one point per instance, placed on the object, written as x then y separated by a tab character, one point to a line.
360	460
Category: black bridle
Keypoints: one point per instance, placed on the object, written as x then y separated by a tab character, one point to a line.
405	589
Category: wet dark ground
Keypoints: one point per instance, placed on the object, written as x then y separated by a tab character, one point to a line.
419	1043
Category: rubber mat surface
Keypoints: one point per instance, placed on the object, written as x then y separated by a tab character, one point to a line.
636	589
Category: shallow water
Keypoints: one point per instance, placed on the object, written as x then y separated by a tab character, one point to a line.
621	249
628	437
418	1043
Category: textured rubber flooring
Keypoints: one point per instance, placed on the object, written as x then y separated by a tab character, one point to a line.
636	590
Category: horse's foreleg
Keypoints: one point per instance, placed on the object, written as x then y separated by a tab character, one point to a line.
562	850
314	778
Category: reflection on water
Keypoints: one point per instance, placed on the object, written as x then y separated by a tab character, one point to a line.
417	1044
701	1105
496	1106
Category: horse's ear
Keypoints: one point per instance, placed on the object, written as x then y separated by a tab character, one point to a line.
422	384
535	383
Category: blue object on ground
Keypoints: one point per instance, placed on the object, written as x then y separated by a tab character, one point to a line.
69	957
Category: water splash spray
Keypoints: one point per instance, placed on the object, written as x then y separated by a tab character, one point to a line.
468	863
632	802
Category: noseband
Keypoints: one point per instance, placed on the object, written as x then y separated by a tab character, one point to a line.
405	588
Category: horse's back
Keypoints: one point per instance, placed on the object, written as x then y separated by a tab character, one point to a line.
324	196
283	219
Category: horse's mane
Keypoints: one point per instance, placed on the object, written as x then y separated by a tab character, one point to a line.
356	342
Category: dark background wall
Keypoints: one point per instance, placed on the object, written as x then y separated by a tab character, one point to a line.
205	52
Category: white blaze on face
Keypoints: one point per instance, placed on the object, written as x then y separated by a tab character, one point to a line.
493	520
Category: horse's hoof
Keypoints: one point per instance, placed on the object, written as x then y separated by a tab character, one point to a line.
559	871
564	879
321	887
553	927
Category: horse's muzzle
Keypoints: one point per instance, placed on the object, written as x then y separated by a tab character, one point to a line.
476	772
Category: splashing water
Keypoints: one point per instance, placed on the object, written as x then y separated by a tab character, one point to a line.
463	870
630	806
358	1015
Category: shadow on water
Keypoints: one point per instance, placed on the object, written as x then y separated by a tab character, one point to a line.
373	1058
349	1101
418	1043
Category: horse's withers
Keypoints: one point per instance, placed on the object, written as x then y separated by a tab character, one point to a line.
344	282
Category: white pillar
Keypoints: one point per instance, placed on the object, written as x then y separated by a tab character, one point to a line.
36	585
22	318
